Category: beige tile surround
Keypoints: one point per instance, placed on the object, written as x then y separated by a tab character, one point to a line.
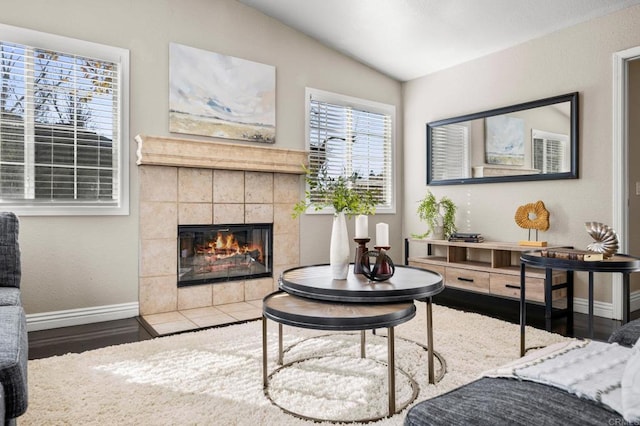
185	195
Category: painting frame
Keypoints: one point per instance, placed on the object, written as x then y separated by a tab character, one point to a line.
221	96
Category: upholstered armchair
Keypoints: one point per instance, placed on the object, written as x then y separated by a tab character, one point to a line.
10	272
13	325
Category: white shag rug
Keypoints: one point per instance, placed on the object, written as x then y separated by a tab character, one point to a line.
214	376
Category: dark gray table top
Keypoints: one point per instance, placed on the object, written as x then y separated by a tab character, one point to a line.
617	263
315	282
302	312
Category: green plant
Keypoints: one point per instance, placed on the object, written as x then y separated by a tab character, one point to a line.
337	192
429	210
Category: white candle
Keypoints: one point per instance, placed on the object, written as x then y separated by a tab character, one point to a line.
382	235
362	226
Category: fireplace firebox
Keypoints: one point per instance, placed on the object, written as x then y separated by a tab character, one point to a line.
220	253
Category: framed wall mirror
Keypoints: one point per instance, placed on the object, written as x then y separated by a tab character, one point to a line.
535	140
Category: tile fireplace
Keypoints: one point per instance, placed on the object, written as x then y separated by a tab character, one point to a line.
186	184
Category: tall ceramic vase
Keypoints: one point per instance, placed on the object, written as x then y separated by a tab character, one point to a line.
339	250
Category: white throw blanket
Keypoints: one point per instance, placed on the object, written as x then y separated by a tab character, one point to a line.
588	369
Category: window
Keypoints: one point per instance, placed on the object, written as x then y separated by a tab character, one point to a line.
550	151
347	135
63	125
450	152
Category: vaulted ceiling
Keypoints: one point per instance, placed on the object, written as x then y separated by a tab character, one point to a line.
406	39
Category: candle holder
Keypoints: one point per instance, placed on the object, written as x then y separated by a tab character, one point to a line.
383	261
360	250
383	269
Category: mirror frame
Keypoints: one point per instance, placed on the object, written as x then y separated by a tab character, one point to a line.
572	98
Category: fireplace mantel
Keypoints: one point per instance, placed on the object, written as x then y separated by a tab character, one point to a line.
179	152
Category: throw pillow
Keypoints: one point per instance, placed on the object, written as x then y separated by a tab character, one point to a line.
627	335
631	387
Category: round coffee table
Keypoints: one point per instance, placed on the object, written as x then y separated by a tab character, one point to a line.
295	311
407	284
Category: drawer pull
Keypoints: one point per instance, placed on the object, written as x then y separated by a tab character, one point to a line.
517	287
469	280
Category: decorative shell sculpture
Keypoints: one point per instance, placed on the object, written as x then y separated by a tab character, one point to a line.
533	216
606	239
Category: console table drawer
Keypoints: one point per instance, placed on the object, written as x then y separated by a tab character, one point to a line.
509	285
467	279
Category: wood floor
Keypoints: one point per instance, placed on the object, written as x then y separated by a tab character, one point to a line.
59	341
80	338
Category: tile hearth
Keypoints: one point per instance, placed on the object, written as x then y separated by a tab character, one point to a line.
198	318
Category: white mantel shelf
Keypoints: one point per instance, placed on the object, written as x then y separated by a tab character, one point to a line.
179	152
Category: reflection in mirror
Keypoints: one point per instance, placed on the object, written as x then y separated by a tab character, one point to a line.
531	141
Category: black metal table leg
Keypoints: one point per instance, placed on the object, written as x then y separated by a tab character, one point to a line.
548	298
391	370
280	345
264	351
590	327
523	309
570	303
626	303
432	375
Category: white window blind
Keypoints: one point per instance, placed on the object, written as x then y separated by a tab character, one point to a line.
346	136
61	145
450	152
550	152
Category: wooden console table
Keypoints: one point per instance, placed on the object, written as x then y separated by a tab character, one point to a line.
493	268
618	263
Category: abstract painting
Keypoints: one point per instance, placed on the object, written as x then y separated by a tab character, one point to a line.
211	94
505	140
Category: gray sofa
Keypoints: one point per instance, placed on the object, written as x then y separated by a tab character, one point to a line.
502	401
13	325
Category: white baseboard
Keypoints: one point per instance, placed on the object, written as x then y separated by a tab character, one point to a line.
602	309
48	320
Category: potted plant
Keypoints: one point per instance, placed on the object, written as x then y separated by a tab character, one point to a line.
440	216
337	192
342	194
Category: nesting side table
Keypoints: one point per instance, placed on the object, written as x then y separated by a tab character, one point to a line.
295	311
618	263
407	284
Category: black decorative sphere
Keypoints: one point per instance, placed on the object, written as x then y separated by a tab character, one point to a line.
382	269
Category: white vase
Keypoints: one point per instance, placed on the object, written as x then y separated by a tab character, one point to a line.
339	250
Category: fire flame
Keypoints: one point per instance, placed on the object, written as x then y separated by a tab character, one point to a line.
227	245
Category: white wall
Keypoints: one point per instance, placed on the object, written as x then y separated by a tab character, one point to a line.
634	156
81	262
575	59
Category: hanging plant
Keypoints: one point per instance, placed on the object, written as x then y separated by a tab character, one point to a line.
429	210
